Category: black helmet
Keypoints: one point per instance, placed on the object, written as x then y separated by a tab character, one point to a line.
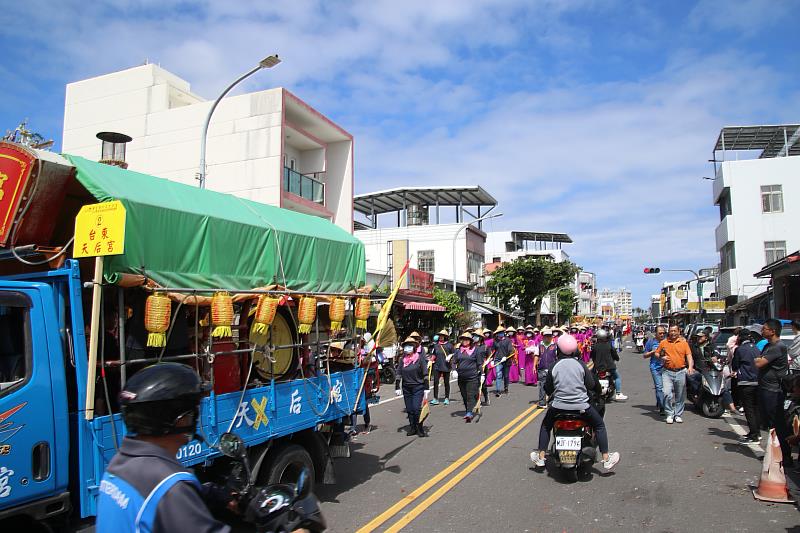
156	398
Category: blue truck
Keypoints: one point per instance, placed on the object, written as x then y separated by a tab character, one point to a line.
56	435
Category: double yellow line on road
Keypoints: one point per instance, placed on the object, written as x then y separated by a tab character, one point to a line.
494	442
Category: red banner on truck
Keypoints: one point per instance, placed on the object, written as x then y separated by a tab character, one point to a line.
15	170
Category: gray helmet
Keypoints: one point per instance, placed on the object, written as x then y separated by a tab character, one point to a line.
602	334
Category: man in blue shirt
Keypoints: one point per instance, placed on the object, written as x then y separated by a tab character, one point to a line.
656	366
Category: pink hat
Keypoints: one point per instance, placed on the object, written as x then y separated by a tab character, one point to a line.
567	344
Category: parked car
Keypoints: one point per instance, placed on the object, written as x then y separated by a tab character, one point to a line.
692	328
720	340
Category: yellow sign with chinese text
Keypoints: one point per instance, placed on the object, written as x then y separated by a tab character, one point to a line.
100	230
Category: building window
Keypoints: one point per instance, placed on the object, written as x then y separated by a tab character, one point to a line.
425	261
727	257
774	250
725	204
771	198
474	268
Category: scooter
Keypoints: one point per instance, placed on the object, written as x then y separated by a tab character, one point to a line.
639	343
279	508
386	368
709	398
609	389
574	445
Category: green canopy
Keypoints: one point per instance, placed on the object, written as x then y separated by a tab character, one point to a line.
183	236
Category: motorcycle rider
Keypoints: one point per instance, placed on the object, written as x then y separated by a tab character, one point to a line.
145	488
605	357
569	383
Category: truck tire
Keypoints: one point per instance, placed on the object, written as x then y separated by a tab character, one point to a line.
286	465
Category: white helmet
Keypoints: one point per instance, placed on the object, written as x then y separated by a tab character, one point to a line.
602	334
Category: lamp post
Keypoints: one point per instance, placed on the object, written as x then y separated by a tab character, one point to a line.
267	62
455	237
697	278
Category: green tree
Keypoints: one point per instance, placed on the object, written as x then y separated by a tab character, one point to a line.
526	281
566	304
455	315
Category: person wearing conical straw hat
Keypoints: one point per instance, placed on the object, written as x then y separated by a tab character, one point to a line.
414	374
502	351
442	354
468	362
479	337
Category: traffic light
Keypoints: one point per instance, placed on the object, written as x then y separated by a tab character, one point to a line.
652	270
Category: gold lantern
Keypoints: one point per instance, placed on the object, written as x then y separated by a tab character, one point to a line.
221	314
363	306
265	313
306	313
157	314
336	313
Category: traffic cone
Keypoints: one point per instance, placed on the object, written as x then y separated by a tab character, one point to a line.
772	486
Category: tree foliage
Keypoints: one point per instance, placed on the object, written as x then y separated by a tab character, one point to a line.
524	282
566	304
454	314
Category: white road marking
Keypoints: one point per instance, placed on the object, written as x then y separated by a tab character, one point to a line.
740	430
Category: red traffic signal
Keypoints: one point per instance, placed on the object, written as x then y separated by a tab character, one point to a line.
652	270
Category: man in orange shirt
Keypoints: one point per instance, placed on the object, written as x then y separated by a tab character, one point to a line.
674	351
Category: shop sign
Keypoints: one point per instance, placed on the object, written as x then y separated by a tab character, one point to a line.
419	283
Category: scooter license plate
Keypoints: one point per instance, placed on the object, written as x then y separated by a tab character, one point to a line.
568	443
604	385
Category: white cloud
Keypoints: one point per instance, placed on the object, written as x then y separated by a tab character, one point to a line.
455	92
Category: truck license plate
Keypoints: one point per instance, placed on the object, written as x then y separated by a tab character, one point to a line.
568	443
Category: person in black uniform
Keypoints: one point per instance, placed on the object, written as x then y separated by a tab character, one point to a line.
469	362
145	488
414	373
442	351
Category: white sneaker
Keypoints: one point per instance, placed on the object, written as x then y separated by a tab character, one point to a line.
537	461
670	420
613	459
679	420
620	396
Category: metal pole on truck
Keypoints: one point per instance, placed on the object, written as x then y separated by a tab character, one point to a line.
94	335
267	62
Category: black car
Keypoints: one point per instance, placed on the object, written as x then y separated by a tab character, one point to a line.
720	340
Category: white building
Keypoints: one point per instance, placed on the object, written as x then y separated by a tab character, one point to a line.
268	146
759	205
586	293
620	302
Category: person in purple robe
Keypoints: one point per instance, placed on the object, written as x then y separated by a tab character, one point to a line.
513	361
530	349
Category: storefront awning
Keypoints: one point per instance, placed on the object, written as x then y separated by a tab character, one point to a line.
183	236
423	306
488	309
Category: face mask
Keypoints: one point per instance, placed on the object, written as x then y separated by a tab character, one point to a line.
501	335
529	335
408	349
476	339
435	338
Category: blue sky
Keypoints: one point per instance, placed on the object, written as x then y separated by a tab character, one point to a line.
594	118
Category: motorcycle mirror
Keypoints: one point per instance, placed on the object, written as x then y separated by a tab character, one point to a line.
232	445
303	488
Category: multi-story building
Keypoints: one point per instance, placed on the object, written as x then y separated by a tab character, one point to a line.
759	204
268	146
586	293
655	306
618	303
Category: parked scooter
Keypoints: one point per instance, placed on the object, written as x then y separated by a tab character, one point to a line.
709	398
574	445
386	365
279	508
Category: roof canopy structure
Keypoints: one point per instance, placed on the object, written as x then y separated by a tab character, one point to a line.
773	141
520	237
412	200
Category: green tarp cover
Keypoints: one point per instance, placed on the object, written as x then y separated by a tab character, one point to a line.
182	236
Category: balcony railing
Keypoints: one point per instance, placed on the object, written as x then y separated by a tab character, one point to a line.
304	186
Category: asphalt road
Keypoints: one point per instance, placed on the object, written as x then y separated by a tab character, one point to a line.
681	477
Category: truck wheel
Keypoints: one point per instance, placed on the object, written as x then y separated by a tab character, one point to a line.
286	466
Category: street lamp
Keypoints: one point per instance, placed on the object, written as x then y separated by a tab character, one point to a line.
267	62
455	237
